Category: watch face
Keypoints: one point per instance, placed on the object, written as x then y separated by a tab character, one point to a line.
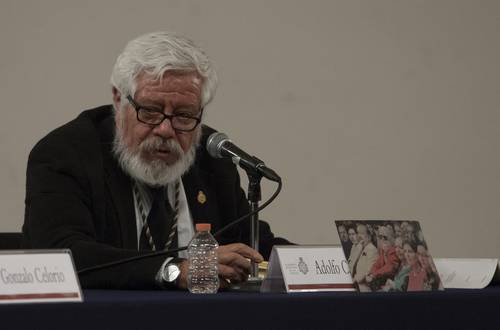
172	272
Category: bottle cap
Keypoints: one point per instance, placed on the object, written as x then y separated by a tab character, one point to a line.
203	227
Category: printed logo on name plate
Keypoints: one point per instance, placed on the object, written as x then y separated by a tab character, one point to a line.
303	266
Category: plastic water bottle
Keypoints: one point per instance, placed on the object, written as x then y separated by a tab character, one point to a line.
203	274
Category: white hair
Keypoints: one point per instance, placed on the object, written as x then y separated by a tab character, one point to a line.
155	53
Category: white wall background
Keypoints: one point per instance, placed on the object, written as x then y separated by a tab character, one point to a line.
368	109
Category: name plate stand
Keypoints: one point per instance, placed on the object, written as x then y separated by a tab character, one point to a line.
307	269
28	276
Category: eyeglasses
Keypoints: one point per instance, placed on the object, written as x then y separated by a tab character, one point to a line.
181	121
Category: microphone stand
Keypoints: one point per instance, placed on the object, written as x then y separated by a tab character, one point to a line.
254	197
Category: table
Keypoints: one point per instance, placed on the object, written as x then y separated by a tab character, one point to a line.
453	309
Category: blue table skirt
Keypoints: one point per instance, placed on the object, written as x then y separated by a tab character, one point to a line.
452	309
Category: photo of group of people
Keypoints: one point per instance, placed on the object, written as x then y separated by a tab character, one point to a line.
389	255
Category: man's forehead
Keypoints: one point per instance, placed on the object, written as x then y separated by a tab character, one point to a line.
170	79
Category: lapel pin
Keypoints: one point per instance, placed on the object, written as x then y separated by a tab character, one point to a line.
202	198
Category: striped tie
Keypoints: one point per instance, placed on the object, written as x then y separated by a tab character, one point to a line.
160	228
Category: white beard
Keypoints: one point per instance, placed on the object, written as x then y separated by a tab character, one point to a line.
154	173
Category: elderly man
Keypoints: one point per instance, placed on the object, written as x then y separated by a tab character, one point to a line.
126	179
363	258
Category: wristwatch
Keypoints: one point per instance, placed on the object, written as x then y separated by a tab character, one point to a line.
168	274
171	273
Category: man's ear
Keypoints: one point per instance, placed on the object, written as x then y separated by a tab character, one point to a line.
117	96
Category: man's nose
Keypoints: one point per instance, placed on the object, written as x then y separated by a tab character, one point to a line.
165	129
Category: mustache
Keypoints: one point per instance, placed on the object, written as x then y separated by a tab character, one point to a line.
154	143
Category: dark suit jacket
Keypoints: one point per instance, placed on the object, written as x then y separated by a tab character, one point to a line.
77	197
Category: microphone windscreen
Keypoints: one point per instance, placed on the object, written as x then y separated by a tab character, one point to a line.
214	143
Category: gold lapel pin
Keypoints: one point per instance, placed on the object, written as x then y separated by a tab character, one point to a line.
202	198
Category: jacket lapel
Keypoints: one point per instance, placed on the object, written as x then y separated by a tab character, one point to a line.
201	199
119	186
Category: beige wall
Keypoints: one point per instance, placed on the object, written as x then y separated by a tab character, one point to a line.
368	109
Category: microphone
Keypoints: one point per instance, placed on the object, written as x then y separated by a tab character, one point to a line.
219	146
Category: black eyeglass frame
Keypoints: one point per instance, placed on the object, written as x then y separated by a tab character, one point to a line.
138	107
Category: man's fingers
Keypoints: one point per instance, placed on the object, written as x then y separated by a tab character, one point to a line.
233	274
235	260
224	283
243	250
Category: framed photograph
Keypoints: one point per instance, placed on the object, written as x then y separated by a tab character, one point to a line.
388	255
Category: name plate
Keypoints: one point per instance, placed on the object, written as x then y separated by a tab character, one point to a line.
28	276
467	273
307	269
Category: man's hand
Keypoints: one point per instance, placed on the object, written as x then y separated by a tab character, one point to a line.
234	263
183	267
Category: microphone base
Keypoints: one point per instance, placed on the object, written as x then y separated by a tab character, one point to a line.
253	284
